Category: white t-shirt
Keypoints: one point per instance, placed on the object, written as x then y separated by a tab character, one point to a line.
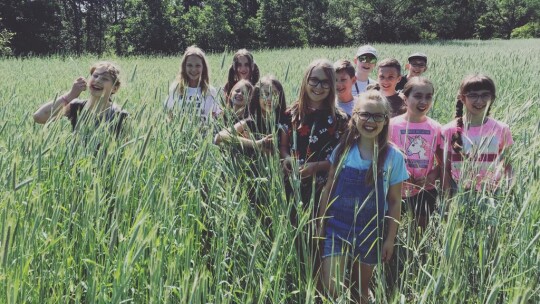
361	86
347	107
195	101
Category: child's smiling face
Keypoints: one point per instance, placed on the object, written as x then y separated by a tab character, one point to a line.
476	102
101	83
388	79
268	98
419	100
318	85
370	118
243	68
344	84
194	70
240	94
416	67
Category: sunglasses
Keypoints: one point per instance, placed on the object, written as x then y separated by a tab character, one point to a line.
367	59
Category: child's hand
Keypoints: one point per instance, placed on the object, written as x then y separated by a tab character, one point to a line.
266	144
387	250
286	165
308	169
78	86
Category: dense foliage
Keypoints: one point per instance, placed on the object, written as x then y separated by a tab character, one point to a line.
167	26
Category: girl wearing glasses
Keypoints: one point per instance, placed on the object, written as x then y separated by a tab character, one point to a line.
419	138
312	127
365	179
474	140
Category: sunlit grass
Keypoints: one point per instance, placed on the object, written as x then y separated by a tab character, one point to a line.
164	215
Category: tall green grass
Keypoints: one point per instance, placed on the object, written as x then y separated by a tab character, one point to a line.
164	215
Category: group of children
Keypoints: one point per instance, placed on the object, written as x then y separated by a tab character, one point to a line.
358	146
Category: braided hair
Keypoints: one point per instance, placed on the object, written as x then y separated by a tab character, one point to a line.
475	82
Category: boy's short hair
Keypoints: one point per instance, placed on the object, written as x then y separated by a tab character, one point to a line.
390	63
419	56
344	65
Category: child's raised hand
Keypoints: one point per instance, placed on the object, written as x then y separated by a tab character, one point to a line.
79	85
387	250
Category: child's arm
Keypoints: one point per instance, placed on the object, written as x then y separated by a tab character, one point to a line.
243	139
312	168
392	219
323	203
53	108
284	152
435	172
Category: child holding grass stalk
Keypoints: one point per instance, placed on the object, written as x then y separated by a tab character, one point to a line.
256	133
474	143
102	84
366	176
191	90
419	137
242	67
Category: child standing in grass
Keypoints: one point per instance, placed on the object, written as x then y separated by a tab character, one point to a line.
417	65
365	60
419	137
191	90
388	75
366	175
312	127
102	84
474	143
345	80
242	67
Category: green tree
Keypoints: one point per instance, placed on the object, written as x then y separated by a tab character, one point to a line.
279	23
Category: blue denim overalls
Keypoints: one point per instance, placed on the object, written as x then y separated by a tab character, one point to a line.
355	217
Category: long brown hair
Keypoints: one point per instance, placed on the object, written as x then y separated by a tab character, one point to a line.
300	107
182	77
352	135
232	78
474	82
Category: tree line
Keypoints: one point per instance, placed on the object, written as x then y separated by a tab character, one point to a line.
132	27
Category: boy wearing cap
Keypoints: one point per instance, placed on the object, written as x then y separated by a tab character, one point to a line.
345	81
417	66
366	58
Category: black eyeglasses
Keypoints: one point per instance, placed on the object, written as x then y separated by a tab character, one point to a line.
377	117
474	97
418	65
367	59
325	84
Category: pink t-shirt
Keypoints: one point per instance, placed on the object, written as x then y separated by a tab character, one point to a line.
418	141
482	148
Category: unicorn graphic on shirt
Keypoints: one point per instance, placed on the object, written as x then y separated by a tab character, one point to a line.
417	146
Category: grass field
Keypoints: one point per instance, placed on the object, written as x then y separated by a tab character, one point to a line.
164	216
